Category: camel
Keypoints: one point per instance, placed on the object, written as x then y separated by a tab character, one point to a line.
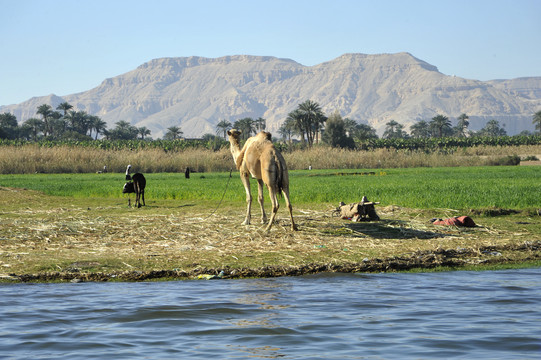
261	160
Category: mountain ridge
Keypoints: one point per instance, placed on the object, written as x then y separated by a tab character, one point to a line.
196	93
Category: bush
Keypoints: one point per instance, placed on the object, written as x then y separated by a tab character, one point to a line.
510	160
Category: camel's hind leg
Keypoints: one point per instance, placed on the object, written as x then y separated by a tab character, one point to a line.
246	181
261	199
285	191
275	205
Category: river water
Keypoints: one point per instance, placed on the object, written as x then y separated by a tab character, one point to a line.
463	315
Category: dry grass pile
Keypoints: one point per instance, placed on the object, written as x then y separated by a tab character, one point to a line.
44	239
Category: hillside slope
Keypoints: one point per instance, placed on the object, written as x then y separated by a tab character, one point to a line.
196	93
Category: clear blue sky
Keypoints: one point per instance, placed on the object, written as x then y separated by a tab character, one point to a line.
69	46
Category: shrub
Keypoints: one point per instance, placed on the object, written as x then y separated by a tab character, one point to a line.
510	160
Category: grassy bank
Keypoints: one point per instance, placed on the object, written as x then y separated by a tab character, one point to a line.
78	226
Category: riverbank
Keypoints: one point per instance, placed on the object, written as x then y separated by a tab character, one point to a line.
47	238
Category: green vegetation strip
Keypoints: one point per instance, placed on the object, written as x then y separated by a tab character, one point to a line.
431	143
422	188
78	226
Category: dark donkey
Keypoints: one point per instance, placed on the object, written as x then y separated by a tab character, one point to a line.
137	186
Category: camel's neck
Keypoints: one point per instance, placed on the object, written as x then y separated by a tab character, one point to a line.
235	148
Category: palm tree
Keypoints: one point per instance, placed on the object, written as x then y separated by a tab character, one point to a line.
311	120
321	119
223	126
8	126
79	121
143	131
295	119
492	128
45	111
123	131
97	124
57	125
441	125
363	132
173	133
462	125
100	127
35	126
260	124
246	125
420	129
71	118
64	107
123	125
394	130
537	121
349	126
287	129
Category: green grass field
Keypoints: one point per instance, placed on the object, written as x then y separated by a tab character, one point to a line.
511	187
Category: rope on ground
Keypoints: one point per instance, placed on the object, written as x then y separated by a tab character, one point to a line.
225	190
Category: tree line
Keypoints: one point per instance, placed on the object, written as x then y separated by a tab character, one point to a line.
307	124
64	123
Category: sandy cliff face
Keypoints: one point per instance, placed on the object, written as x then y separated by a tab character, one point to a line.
196	93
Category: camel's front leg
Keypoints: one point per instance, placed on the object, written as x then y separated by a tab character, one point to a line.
261	199
246	182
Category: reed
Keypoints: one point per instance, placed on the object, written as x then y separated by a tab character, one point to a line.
31	158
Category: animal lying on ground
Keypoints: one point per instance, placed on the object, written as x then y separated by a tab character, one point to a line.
361	211
137	186
261	160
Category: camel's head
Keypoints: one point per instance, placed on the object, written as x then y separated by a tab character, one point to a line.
234	134
265	135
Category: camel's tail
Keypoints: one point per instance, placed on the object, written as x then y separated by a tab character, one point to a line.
280	169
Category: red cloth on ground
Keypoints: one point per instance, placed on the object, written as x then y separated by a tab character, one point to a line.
457	221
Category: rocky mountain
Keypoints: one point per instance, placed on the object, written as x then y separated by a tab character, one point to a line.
196	93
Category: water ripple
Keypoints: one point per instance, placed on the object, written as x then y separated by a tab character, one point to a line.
483	315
